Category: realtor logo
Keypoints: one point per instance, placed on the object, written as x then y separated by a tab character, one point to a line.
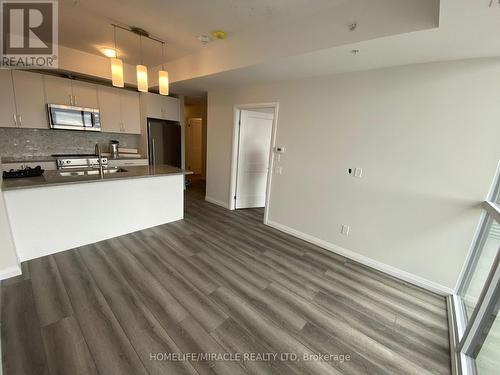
29	34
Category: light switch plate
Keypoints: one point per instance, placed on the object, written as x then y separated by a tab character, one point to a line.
345	230
358	172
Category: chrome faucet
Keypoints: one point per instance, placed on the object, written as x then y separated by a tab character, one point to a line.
99	159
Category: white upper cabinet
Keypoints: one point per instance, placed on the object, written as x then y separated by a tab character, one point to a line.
30	100
70	92
25	95
109	108
58	90
130	111
120	110
161	107
7	101
84	94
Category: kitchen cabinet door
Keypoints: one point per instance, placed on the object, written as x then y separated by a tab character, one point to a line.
84	94
30	100
161	107
58	90
170	108
130	111
7	102
153	104
110	109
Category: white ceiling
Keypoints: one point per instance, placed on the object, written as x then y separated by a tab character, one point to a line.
86	24
467	29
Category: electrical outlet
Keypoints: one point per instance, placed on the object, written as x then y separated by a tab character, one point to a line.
345	230
278	170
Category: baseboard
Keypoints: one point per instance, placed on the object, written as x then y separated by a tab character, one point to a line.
215	201
393	271
9	272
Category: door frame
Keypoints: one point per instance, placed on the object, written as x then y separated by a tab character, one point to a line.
234	153
188	125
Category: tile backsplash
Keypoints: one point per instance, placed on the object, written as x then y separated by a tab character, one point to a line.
16	142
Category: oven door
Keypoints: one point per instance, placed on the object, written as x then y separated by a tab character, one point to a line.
73	118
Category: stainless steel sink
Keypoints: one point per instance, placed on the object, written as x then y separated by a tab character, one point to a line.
90	172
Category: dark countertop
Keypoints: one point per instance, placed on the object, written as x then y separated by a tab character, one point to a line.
34	159
54	178
26	159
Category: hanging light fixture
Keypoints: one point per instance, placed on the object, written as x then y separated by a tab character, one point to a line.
116	66
163	74
142	72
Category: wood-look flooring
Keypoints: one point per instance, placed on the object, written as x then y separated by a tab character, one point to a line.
215	282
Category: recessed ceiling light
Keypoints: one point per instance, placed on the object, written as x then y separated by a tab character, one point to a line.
108	52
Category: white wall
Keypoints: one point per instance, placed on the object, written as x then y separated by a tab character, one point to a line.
73	60
9	265
426	135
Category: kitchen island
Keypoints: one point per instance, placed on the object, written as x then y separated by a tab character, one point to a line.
62	210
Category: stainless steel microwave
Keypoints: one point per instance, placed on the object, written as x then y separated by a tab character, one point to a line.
74	118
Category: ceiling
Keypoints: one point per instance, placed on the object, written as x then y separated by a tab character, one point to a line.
86	24
467	29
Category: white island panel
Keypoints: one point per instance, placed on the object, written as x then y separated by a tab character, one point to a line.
46	220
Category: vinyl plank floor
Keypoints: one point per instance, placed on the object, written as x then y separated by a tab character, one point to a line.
217	282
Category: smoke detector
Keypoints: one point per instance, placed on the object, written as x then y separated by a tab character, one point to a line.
204	39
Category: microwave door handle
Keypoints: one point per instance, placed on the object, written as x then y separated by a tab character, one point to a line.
51	118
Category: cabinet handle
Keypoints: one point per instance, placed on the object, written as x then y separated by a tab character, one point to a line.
19	117
15	119
70	99
74	99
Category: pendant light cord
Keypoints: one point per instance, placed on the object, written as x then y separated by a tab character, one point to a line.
114	36
163	56
140	48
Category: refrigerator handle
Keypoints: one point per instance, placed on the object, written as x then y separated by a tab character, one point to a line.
153	150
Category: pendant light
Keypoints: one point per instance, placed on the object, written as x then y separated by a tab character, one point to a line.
116	67
163	74
142	72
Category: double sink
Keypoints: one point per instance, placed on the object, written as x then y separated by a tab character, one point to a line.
91	172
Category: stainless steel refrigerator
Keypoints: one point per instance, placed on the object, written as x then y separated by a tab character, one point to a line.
164	142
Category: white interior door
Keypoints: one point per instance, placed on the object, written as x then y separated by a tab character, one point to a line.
254	145
194	144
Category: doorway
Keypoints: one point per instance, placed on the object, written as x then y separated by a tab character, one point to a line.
253	141
194	145
195	141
